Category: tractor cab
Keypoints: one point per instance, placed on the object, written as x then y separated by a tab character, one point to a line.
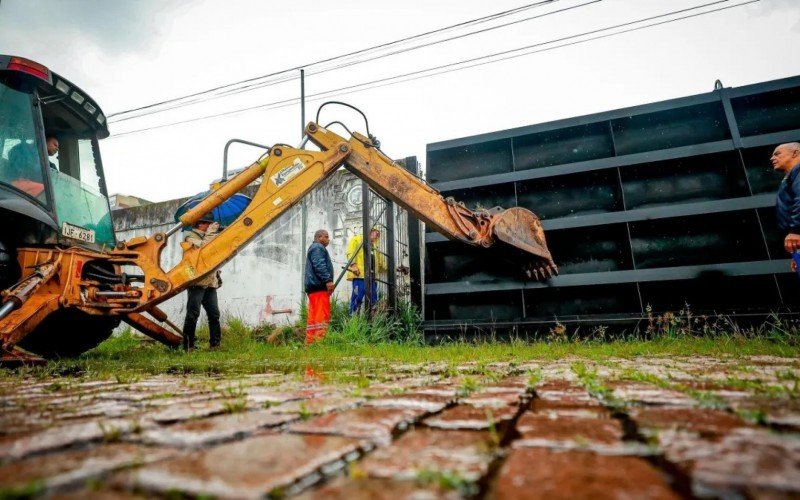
52	187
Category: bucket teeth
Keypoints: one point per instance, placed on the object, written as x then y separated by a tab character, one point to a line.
540	271
545	271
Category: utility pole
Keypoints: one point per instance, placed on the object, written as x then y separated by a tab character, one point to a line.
303	207
302	103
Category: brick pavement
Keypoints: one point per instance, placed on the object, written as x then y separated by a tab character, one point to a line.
621	428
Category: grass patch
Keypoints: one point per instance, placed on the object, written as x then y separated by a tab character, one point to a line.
127	357
358	349
381	328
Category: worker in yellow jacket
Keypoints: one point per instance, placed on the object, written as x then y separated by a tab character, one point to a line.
355	272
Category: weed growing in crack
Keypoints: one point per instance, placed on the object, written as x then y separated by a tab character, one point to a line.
467	387
304	413
581	441
125	378
704	398
136	426
55	386
708	400
356	471
480	368
754	416
93	484
649	378
111	433
451	371
760	387
592	383
235	406
534	378
33	489
234	391
447	481
175	494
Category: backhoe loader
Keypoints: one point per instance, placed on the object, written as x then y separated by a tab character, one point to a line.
62	269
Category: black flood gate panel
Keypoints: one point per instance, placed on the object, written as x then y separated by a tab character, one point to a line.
652	209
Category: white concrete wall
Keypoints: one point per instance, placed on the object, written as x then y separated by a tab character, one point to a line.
266	276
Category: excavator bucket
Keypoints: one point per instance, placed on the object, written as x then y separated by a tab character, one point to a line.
520	231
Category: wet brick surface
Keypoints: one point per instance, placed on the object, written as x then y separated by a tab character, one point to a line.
567	432
543	473
375	424
621	428
470	417
200	432
466	454
249	468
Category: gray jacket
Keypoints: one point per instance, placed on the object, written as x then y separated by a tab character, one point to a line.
199	238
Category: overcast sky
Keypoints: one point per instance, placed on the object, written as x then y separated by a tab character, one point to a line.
131	53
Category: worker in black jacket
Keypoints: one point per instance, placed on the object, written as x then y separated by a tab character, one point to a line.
318	286
786	159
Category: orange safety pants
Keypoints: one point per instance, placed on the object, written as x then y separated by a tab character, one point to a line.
319	315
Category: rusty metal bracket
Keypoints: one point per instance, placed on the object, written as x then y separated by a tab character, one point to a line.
15	357
152	329
160	285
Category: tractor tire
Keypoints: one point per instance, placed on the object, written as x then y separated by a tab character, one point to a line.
66	333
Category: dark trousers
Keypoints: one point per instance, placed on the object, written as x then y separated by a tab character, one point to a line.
207	297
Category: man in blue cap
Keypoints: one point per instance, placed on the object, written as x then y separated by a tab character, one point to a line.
786	159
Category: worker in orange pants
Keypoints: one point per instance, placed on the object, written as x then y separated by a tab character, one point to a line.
318	286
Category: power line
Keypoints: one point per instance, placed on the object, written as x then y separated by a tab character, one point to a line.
268	83
198	100
546	49
448	68
460	65
259	85
281	79
469	22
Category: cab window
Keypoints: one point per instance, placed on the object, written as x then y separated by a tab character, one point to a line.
76	177
20	156
78	189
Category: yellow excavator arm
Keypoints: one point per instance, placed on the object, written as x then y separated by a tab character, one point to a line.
58	279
